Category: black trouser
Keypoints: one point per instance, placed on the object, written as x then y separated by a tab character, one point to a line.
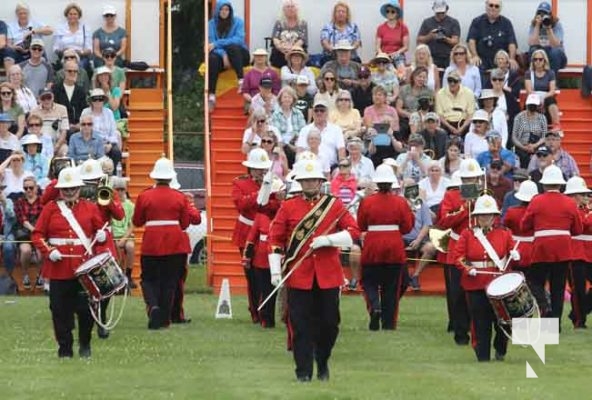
314	321
104	305
482	320
177	311
449	302
238	57
159	278
460	313
66	298
556	274
580	273
382	284
267	313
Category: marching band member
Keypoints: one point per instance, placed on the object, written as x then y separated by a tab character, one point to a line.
309	229
165	246
526	191
455	215
245	190
484	248
384	217
55	166
554	217
63	234
581	266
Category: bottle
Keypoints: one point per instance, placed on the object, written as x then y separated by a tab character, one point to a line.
119	170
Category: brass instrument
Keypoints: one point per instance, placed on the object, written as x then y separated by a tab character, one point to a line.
430	153
440	238
104	191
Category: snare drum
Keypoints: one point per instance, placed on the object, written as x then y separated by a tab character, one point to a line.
101	276
510	297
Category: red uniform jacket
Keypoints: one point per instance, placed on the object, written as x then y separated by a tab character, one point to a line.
51	224
582	244
512	222
50	192
258	236
194	214
454	214
165	213
384	247
468	249
552	211
244	196
324	263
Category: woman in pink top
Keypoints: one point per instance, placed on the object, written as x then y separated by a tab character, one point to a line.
279	162
392	36
252	79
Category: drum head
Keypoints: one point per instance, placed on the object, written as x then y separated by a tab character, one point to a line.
92	263
505	284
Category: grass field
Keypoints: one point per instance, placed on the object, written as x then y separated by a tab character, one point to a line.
234	359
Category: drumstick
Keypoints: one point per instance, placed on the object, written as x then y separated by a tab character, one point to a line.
488	272
71	256
510	258
95	239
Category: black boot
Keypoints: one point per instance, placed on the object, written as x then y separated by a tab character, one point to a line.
374	324
130	282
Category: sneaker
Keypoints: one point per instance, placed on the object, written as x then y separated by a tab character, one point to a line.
39	282
26	282
414	282
240	86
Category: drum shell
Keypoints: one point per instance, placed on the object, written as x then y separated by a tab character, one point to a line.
101	277
516	303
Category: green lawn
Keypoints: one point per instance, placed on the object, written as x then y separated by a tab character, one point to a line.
233	359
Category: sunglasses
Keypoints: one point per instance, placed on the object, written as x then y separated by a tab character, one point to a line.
70	190
69	57
37	48
542	154
29	188
108	15
343	99
319	110
490	5
452	80
391	11
95	99
459	53
497	79
109	56
33	125
5	93
72	71
267	141
329	78
86	124
538	59
261	121
495	167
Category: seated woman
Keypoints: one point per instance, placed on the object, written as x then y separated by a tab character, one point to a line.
362	166
540	80
109	35
288	32
34	126
86	143
451	161
475	142
104	124
288	120
20	33
407	103
422	57
512	82
530	127
257	126
103	79
295	67
273	147
385	76
327	88
546	32
75	35
313	146
392	36
9	105
462	63
488	102
24	96
346	116
13	174
506	102
252	79
35	161
433	187
340	28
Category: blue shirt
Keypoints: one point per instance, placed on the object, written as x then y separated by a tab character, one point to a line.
507	156
422	218
80	149
38	165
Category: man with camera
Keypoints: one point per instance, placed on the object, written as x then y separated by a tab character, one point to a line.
546	32
440	33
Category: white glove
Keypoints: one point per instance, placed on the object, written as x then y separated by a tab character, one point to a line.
55	255
338	239
275	268
514	255
265	189
321	241
101	236
472	272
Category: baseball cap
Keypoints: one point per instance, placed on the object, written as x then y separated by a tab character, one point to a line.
37	42
493	134
302	80
108	50
265	81
544	7
533	98
520	175
432	116
454	75
260	52
320	103
109	9
440	6
364	72
45	91
543	150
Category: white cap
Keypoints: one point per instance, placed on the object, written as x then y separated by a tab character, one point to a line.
384	174
109	9
163	169
30	139
343	44
526	191
260	52
487	94
485	205
257	159
470	168
552	175
439	6
102	70
302	80
309	169
481	115
97	92
576	185
533	98
90	169
69	178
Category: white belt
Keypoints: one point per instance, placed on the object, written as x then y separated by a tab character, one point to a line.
263	238
65	242
454	235
527	239
486	264
551	232
162	222
245	220
383	228
585	238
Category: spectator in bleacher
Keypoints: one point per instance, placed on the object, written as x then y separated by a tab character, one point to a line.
450	162
506	101
328	88
440	32
488	102
425	105
381	113
542	159
118	73
289	121
546	32
362	166
475	140
27	210
344	184
24	95
8	141
296	66
304	100
541	80
109	35
413	164
332	143
529	130
7	230
34	126
13	173
86	143
344	67
107	165
75	35
71	95
227	47
489	33
35	161
104	124
385	76
392	36
497	182
103	79
265	98
497	152
279	162
462	63
123	230
362	93
3	41
407	103
455	104
21	34
558	155
435	138
433	186
340	28
512	82
37	71
346	116
260	69
82	78
423	58
9	105
258	124
313	151
55	120
289	31
520	175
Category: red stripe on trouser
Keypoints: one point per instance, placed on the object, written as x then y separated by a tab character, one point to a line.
397	289
473	328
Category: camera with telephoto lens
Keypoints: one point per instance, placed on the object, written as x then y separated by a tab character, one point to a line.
546	20
439	31
27	41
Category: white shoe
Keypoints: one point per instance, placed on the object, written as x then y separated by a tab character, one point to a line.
240	85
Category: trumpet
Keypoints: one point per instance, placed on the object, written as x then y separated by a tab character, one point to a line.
104	191
440	239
